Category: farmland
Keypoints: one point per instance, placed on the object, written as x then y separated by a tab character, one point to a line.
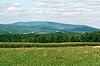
50	54
58	56
30	45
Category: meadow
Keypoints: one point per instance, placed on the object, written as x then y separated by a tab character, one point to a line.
52	56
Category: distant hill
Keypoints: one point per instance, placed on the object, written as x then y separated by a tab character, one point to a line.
41	27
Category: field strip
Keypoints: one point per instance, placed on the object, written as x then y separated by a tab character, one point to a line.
35	48
96	46
56	48
47	45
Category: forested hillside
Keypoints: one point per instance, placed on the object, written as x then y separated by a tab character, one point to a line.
44	27
51	38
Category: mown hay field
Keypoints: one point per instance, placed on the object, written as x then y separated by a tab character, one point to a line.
53	56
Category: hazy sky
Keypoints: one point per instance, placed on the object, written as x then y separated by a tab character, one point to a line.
86	12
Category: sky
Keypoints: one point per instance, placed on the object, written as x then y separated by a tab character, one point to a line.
81	12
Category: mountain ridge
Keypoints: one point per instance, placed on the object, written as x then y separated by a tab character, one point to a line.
44	27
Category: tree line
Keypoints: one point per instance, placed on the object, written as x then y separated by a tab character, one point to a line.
51	38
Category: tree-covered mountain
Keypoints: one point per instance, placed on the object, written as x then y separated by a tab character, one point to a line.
41	27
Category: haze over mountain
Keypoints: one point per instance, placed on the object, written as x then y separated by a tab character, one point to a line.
43	27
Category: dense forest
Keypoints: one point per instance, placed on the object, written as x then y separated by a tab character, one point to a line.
51	38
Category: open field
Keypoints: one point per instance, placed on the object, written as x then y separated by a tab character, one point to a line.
30	45
50	54
59	56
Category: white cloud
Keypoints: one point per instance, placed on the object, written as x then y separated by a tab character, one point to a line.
8	9
39	12
39	4
14	9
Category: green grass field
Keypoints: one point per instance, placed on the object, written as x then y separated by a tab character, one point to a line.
54	56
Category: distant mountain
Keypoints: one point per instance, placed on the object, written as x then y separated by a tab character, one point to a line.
41	27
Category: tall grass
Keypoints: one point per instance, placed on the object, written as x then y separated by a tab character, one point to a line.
63	56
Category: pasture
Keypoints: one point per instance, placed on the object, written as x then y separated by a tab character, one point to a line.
50	56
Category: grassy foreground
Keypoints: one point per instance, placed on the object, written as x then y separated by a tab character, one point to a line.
60	56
